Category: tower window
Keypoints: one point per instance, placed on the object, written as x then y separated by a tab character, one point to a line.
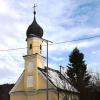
30	46
40	48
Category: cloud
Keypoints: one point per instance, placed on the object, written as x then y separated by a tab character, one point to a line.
6	9
62	20
3	6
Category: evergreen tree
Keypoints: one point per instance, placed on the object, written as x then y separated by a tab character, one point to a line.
77	72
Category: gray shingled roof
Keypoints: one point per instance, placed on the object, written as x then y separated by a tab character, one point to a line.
58	80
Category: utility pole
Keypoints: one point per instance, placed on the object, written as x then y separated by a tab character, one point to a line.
47	71
47	42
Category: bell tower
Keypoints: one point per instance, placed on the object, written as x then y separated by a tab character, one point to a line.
34	58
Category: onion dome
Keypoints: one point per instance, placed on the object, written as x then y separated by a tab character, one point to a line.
34	30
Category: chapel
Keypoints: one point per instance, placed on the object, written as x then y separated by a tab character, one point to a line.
32	83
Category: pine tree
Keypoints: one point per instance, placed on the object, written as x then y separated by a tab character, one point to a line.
77	72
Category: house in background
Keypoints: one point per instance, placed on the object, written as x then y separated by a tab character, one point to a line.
32	84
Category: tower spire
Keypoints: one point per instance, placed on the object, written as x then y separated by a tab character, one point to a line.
34	29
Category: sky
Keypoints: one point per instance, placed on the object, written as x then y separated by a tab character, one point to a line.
61	20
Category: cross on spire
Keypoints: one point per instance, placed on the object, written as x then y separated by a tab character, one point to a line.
34	8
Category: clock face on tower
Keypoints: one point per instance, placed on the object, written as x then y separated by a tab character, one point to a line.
30	67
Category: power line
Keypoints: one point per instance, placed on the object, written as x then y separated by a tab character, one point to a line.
81	39
75	40
13	49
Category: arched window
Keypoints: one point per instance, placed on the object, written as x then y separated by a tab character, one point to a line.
30	46
40	48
